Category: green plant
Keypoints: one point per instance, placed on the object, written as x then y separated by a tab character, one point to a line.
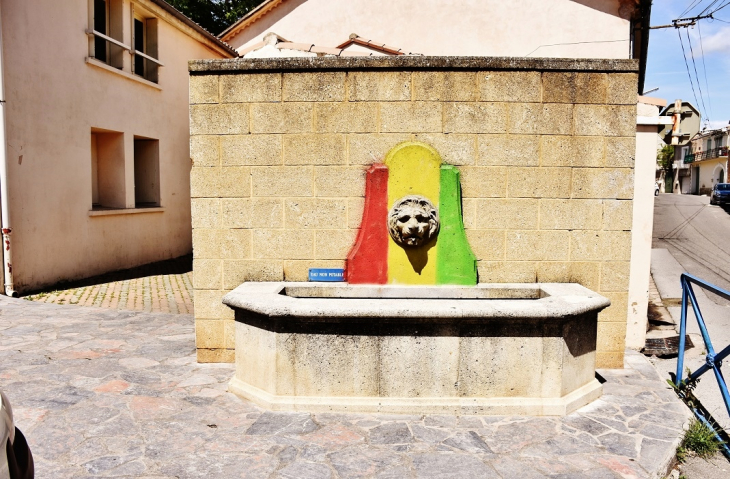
700	440
685	388
665	161
214	15
665	157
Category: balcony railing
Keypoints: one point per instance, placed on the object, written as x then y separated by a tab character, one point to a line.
104	55
706	155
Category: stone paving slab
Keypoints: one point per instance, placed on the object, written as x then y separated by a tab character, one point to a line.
163	287
107	393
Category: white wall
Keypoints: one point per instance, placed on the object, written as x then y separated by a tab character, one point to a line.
641	232
445	27
54	99
709	172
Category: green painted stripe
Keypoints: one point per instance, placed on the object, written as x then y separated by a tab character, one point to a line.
455	262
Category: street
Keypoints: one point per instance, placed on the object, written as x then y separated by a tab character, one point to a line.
695	233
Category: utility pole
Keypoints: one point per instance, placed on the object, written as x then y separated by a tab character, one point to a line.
683	22
676	122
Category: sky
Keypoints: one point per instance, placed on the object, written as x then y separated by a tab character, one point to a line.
666	67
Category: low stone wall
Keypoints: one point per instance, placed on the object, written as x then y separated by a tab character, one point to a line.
279	149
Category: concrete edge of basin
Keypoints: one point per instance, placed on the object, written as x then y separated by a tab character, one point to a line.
496	406
561	300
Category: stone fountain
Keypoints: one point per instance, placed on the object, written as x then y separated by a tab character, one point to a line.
412	331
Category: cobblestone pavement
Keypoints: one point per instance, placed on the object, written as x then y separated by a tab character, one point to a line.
102	393
164	287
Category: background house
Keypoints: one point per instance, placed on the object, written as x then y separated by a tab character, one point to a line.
520	28
689	125
96	159
706	160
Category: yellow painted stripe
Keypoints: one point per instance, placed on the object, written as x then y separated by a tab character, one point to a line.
413	169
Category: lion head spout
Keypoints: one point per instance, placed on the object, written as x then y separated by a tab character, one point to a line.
413	221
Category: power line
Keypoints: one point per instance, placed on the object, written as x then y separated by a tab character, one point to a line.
687	65
704	68
691	6
692	21
697	77
707	8
699	87
684	22
720	8
574	43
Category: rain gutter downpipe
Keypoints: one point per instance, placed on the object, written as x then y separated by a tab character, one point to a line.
4	210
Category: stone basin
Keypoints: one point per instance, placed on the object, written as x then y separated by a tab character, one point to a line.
490	349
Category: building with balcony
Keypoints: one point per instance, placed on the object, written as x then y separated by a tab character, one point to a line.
679	132
703	162
95	164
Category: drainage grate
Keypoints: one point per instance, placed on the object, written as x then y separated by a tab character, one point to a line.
664	346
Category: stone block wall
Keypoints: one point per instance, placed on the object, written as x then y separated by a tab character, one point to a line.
279	150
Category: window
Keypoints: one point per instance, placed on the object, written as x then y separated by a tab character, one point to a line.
101	16
146	172
132	48
111	186
107	170
107	37
145	47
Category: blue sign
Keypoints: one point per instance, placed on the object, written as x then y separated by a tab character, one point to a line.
326	274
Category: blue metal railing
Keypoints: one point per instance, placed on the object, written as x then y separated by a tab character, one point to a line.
712	361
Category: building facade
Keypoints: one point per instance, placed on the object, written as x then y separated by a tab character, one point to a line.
684	125
519	28
96	161
703	162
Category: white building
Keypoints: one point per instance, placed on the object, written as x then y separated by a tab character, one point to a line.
703	162
95	165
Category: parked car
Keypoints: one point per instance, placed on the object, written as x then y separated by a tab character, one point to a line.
720	194
16	461
656	189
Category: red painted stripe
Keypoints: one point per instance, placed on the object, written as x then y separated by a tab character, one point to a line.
367	262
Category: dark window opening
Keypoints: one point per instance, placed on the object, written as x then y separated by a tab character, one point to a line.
107	170
100	25
146	172
106	45
139	45
144	31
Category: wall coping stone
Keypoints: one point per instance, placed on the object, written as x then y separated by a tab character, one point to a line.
409	62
